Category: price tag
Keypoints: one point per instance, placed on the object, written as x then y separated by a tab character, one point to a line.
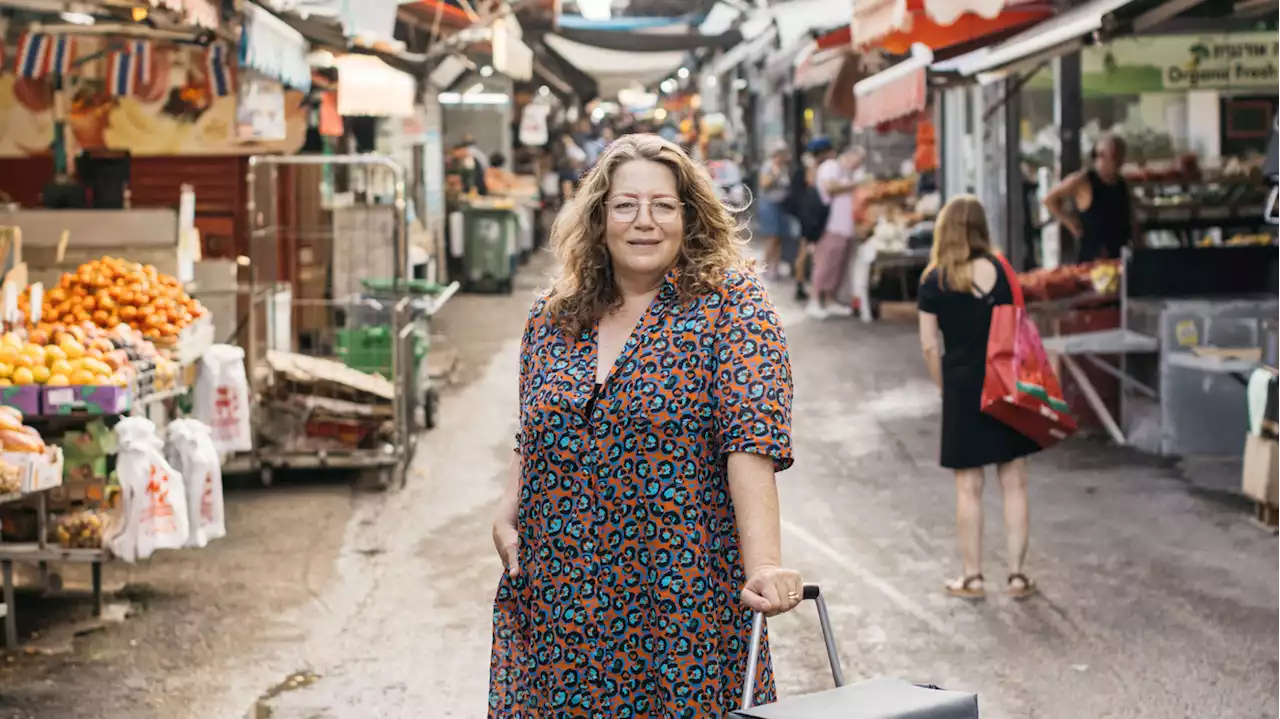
61	397
63	240
37	302
11	303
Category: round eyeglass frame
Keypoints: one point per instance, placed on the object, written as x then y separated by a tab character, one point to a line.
631	217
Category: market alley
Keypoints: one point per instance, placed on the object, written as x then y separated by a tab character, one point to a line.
1159	596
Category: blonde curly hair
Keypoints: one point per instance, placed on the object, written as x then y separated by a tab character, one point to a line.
713	243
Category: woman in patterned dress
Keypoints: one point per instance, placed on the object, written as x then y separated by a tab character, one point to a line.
640	524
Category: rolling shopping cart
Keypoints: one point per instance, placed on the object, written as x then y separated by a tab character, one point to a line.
881	698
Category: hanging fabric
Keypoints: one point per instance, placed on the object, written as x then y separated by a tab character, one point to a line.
269	46
41	54
218	69
130	68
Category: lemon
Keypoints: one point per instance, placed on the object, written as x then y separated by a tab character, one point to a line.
53	353
23	375
55	380
60	367
41	374
6	369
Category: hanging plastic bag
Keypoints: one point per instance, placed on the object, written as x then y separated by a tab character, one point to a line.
192	453
222	398
153	509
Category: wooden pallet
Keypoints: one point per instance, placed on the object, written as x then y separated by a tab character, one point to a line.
1267	517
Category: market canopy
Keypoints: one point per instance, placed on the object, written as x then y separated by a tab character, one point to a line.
1057	36
614	70
895	25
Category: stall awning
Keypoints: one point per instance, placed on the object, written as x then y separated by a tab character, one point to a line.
899	91
818	68
269	46
1048	39
896	25
798	19
369	87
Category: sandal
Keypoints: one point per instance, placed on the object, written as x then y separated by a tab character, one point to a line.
967	587
1024	587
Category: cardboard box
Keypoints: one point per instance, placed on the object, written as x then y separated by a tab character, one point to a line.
25	399
1259	480
39	471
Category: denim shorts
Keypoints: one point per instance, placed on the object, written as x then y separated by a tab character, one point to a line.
772	220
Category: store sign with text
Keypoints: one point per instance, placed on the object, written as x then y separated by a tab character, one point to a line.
1177	63
260	113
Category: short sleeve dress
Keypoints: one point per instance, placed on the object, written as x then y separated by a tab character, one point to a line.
970	439
627	605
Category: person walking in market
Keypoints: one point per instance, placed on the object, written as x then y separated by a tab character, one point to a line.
772	219
640	524
837	181
805	203
1105	219
958	291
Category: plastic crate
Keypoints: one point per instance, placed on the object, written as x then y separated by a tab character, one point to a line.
369	349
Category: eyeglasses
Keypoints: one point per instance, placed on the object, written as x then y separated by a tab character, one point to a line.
627	209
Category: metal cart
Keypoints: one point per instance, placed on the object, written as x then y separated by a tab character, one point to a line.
312	410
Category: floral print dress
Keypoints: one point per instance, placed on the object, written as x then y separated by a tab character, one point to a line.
627	600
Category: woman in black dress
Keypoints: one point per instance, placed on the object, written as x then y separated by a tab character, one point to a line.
957	293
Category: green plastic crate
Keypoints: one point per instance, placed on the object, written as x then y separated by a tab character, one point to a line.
369	349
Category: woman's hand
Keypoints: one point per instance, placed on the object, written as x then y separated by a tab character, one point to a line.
506	539
773	590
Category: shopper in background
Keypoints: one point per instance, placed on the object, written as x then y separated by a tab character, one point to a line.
805	203
837	181
958	291
1105	219
598	613
772	220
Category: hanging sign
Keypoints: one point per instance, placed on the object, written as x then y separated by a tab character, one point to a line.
260	109
533	125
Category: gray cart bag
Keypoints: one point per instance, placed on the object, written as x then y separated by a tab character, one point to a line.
881	698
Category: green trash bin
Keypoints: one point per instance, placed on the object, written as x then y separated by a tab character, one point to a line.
369	349
489	249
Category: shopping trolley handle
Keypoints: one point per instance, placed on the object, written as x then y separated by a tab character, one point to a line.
812	592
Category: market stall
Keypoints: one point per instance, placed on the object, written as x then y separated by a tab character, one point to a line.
108	344
1190	324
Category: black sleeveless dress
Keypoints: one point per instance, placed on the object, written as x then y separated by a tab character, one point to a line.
970	439
1107	224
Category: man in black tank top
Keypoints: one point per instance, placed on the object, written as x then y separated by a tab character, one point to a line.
1104	220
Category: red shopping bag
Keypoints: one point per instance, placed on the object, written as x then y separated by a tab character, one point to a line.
1021	389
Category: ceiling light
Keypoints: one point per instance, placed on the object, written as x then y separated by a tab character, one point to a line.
486	71
682	73
77	18
544	91
139	14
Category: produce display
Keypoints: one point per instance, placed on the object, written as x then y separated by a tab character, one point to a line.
10	478
16	436
81	530
1071	281
1261	238
112	291
81	354
884	189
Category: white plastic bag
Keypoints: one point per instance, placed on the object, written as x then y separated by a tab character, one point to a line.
222	398
153	510
192	453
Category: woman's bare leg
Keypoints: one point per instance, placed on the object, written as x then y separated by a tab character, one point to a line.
1017	512
772	255
969	519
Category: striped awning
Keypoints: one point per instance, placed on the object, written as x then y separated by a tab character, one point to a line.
899	91
269	46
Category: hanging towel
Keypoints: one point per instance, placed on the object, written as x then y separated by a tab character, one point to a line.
1261	383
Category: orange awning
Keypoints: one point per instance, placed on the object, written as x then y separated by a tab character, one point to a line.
895	25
